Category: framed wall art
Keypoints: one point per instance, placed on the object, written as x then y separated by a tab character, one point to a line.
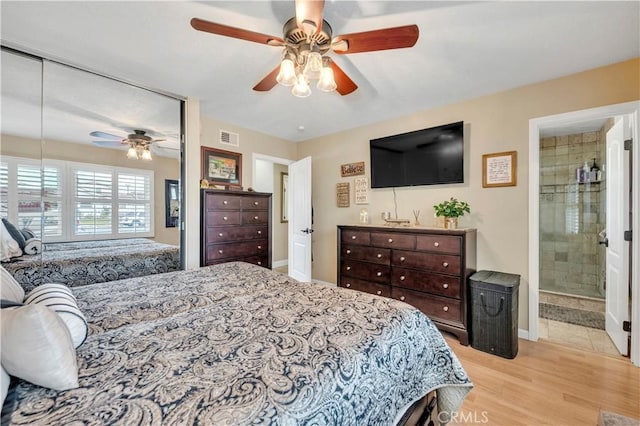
221	167
499	169
284	193
352	169
172	203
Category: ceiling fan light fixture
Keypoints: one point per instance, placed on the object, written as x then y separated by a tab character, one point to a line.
287	74
327	82
146	154
301	89
313	68
132	154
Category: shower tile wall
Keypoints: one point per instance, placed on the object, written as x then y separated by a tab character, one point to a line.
571	216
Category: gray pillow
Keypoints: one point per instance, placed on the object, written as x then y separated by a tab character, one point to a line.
15	233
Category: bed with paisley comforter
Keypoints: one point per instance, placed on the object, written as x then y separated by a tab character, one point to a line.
237	344
88	262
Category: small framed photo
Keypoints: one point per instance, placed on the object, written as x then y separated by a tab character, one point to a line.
221	167
499	169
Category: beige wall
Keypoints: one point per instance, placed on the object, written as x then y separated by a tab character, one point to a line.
280	229
163	167
493	123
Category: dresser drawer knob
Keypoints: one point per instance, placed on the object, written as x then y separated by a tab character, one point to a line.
378	292
348	251
256	217
259	263
259	232
402	278
379	274
225	202
402	258
225	218
220	234
255	203
259	247
445	264
220	251
436	244
348	268
445	285
402	298
353	237
445	308
379	256
390	240
348	285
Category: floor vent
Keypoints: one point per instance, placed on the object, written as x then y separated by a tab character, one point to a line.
229	138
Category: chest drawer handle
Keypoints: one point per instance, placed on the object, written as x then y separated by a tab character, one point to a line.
378	292
436	244
390	240
402	278
348	268
445	308
445	285
348	251
353	237
379	274
402	259
220	234
255	203
255	217
379	256
348	285
445	264
402	298
220	251
225	202
225	218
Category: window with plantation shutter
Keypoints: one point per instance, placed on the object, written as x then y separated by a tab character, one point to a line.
66	201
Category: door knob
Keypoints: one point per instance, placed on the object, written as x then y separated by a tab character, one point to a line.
307	230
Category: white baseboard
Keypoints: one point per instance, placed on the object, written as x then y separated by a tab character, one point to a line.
323	283
279	263
523	334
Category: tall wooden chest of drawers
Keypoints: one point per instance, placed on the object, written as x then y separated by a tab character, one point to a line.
235	226
425	267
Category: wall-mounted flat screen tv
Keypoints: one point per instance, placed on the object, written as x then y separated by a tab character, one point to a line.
424	157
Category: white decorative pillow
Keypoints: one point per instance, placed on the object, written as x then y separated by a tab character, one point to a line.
10	289
37	347
8	246
60	298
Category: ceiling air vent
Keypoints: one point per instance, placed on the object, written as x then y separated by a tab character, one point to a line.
229	138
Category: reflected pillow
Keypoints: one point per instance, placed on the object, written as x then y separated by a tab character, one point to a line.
37	347
8	246
10	289
15	233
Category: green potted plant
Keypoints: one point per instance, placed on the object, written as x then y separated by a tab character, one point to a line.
452	209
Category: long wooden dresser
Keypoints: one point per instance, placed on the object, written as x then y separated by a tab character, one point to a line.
235	226
425	267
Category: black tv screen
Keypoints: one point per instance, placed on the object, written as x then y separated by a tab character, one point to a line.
424	157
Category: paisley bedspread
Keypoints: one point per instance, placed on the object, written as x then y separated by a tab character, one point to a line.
88	262
237	344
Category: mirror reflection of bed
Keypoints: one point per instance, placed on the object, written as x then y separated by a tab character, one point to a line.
99	215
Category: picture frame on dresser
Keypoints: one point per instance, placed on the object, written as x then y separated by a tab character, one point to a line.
220	167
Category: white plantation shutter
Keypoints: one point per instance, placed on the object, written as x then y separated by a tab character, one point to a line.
93	204
29	191
4	189
53	198
134	203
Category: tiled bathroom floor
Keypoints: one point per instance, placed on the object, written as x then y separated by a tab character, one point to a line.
576	336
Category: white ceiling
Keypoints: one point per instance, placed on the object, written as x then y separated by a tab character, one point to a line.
465	50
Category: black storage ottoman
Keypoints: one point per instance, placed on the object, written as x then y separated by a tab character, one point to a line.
494	312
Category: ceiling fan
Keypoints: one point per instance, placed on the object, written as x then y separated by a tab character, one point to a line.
307	38
139	144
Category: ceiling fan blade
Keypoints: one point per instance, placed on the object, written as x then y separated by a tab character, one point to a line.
110	144
384	39
345	84
225	30
268	82
309	15
104	135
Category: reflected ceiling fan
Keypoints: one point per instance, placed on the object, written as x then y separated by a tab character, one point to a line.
307	38
139	144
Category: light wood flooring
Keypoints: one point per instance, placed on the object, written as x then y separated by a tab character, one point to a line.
546	384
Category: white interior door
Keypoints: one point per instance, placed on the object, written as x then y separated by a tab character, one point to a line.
299	212
617	258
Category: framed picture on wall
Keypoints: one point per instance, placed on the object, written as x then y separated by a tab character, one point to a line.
284	193
172	203
221	167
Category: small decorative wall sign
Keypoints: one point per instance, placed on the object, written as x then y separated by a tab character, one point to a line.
499	169
352	169
362	190
342	194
